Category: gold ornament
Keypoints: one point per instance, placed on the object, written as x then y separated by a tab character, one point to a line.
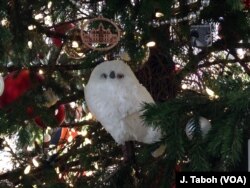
101	38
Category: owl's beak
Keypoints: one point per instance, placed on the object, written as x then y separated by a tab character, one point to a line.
112	74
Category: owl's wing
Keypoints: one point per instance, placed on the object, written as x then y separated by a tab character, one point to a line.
132	99
131	107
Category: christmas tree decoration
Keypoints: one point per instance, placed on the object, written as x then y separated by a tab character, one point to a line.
63	135
74	47
176	69
119	109
201	36
191	126
46	140
150	44
79	112
102	38
1	85
62	29
191	16
16	84
51	97
147	54
60	115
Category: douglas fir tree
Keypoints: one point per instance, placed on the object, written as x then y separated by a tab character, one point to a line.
191	58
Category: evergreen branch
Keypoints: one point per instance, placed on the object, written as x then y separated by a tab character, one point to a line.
62	67
245	67
215	48
12	175
106	179
224	61
14	155
45	165
78	124
68	99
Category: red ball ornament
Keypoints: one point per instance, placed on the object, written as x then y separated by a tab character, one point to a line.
16	84
62	29
60	114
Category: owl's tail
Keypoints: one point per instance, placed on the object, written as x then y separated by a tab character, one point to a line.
159	151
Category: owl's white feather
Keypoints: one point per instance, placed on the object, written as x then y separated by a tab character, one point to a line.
115	97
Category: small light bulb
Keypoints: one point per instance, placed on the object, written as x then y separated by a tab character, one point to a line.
27	169
87	141
31	27
89	116
4	22
56	112
84	132
29	44
210	92
38	16
40	71
150	44
35	162
70	138
49	4
184	86
75	44
159	14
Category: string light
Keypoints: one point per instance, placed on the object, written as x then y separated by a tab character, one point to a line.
192	16
4	22
75	44
30	44
41	72
31	27
150	44
159	14
27	170
35	162
49	4
39	16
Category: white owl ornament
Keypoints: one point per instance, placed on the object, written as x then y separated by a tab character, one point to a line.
115	97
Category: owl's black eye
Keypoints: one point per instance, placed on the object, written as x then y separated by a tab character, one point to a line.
112	74
103	75
120	76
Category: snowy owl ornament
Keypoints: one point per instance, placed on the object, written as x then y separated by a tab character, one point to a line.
115	97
